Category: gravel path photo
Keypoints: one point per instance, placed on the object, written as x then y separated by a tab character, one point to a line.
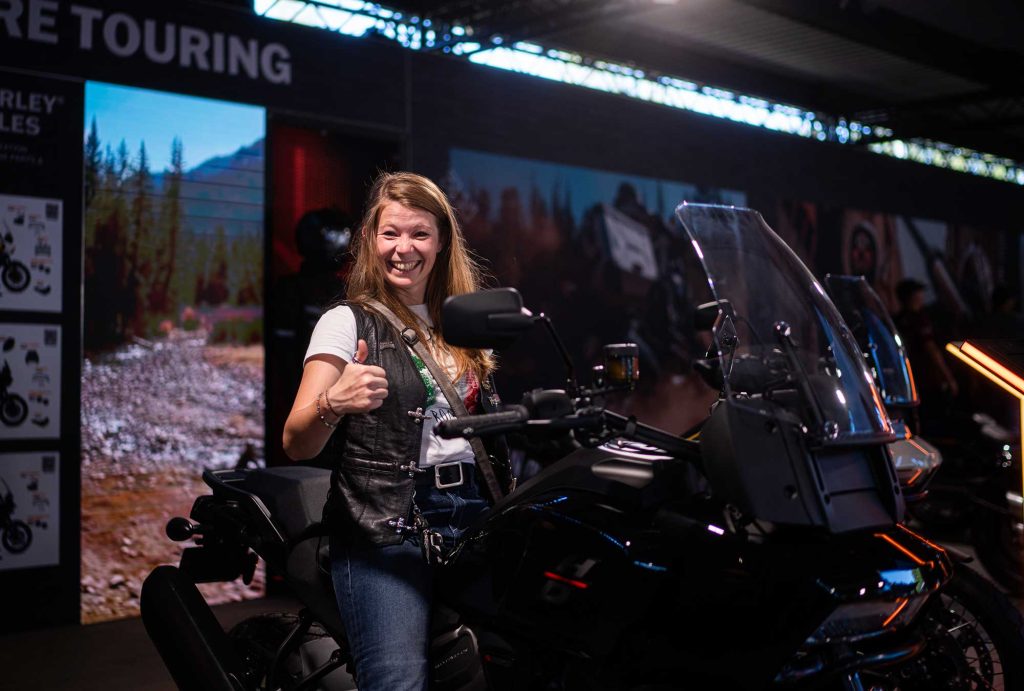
154	415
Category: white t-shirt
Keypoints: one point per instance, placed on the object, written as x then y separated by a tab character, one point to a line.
335	334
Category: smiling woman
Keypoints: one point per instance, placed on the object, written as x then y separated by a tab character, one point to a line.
407	242
369	403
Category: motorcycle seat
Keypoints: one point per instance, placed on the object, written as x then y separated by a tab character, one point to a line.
295	496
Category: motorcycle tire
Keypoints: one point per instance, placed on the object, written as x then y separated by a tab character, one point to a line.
975	640
13	410
1000	548
257	640
17	537
16	277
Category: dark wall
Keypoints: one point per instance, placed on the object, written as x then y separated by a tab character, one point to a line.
437	102
458	104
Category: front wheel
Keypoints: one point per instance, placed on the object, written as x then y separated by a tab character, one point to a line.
17	537
13	410
16	277
258	640
975	640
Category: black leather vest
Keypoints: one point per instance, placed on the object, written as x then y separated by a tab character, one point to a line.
372	453
372	482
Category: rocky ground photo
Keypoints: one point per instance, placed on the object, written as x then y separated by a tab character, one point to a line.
154	415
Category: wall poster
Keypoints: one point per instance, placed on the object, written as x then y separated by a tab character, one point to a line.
31	232
172	375
29	381
29	510
603	255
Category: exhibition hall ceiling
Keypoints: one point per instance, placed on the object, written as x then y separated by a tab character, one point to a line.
942	70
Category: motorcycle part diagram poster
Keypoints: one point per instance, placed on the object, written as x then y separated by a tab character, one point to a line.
31	229
29	381
29	508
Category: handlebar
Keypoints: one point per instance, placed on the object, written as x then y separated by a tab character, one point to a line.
517	418
479	425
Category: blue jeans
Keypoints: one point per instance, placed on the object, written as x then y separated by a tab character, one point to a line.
385	593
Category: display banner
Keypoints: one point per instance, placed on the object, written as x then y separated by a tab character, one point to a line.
201	49
38	151
40	361
30	391
31	249
173	308
29	510
603	255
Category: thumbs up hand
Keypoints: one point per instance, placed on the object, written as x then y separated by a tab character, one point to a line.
361	352
361	388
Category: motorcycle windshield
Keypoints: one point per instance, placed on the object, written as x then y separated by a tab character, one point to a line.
877	336
777	335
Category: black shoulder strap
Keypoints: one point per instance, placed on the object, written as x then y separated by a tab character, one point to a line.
483	460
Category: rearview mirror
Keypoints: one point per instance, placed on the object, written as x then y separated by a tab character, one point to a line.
485	319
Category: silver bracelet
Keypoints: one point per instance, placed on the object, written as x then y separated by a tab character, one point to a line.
332	425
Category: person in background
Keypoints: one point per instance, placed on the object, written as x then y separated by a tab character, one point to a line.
371	402
935	381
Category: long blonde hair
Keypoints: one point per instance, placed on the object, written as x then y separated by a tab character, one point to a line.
455	271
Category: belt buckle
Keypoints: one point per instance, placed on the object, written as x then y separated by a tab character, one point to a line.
446	485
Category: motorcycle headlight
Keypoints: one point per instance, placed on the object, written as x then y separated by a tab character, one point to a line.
859	620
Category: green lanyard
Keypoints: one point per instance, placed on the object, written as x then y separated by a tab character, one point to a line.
428	381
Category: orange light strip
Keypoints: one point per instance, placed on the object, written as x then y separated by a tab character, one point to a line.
997	373
916	559
920	448
981	369
902	606
926	541
913	384
1000	370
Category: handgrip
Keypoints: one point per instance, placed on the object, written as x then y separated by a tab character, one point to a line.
478	425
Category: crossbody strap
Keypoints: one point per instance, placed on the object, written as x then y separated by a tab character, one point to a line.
483	459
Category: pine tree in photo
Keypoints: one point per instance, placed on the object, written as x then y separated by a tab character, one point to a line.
163	298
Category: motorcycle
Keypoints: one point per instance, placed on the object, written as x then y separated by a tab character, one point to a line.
978	486
764	550
13	408
16	535
973	601
13	273
979	489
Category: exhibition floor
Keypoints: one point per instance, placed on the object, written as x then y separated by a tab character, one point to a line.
112	656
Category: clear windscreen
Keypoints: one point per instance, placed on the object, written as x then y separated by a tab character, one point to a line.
777	334
877	337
